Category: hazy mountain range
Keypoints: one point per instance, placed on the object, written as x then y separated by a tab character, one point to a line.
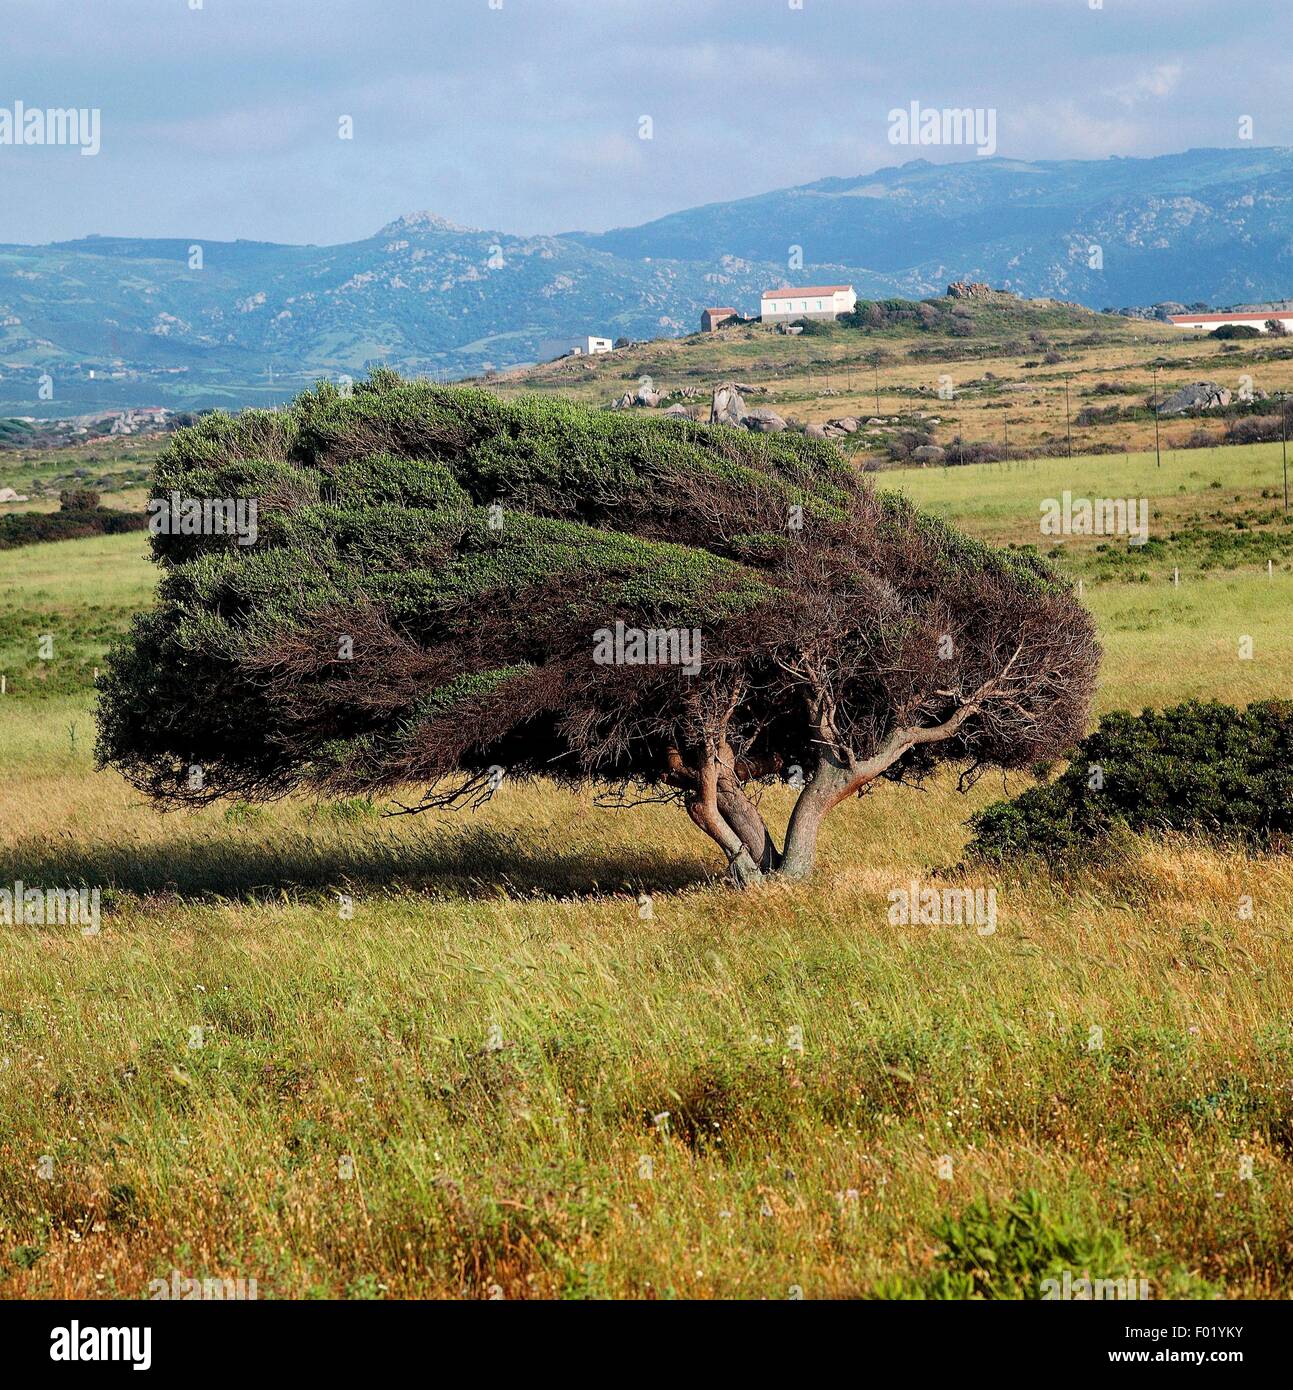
255	319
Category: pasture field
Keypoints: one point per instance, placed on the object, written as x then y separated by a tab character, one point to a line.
540	1050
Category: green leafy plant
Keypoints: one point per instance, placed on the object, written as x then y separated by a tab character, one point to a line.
1005	1251
1200	768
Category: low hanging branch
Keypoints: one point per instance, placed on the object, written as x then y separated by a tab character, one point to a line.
450	590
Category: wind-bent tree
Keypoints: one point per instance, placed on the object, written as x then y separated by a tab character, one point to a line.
433	596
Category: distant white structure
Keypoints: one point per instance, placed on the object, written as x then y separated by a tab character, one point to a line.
1251	318
806	302
552	348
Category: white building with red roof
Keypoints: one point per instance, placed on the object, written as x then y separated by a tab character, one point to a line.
806	302
1252	318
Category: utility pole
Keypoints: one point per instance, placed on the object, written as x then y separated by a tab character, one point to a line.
1284	436
876	365
1007	424
1158	447
1068	424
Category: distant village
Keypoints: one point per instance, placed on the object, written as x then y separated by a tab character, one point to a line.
780	306
33	432
788	304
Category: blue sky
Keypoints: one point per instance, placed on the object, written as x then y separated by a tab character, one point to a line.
523	115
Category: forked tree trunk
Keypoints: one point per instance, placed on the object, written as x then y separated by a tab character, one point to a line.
743	816
829	786
744	870
733	822
738	828
720	807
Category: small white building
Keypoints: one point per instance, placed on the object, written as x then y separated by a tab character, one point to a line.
806	302
1251	318
552	348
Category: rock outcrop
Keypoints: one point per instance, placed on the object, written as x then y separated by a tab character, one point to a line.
969	289
764	421
1198	395
727	406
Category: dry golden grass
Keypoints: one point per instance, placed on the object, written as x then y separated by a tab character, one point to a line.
490	1057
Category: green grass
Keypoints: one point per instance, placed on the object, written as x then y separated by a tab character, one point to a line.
549	1054
1002	501
81	594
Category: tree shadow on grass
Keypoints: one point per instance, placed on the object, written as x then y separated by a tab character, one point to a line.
476	863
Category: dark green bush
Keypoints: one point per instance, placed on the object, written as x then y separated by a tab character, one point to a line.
30	528
1201	768
78	499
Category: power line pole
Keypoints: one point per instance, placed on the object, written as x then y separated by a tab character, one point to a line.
1068	424
876	365
1007	424
1284	436
1158	446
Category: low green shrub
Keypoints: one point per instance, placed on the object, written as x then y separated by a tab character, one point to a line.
1008	1250
78	499
31	528
1198	768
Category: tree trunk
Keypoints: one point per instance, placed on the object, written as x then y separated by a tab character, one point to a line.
829	786
742	867
723	811
743	816
744	871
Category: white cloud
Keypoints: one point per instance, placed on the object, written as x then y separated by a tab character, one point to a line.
1066	130
1152	85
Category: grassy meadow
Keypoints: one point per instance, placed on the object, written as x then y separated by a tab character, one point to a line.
539	1050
